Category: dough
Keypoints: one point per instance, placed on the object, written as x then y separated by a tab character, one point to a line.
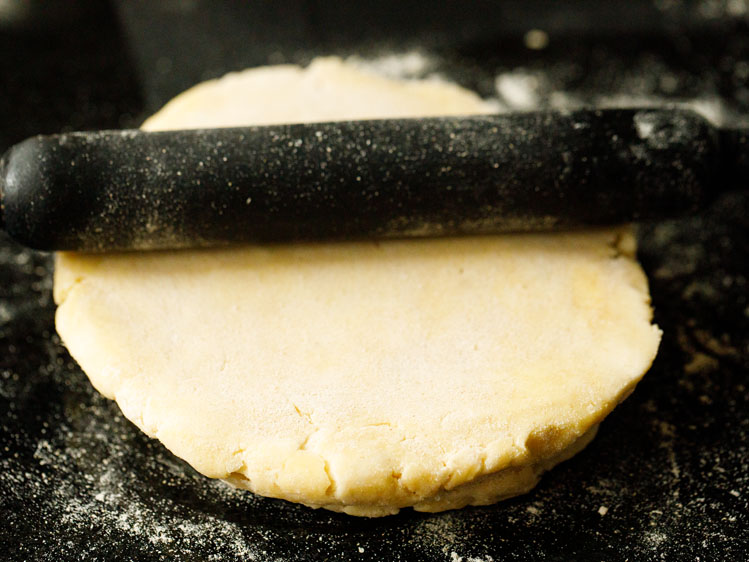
361	377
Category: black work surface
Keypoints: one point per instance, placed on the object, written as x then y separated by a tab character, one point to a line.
666	478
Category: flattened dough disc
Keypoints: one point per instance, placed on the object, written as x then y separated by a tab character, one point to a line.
361	377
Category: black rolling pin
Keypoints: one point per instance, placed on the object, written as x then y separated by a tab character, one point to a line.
133	190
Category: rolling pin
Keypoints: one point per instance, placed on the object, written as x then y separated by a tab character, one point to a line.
378	179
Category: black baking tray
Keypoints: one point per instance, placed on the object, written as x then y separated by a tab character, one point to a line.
667	478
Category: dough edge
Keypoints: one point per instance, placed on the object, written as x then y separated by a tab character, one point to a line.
485	489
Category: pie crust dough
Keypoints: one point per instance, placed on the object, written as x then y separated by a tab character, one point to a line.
361	377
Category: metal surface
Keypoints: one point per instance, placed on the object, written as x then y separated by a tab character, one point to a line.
667	477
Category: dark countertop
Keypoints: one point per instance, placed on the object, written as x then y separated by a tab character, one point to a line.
666	478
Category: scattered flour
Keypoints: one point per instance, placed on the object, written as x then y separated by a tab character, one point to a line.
519	90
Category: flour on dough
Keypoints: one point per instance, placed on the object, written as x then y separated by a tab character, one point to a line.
361	377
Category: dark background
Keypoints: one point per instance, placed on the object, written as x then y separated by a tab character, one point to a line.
666	478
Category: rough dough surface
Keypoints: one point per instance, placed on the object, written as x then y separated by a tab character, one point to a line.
361	377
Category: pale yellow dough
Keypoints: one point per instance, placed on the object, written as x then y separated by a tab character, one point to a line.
361	377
